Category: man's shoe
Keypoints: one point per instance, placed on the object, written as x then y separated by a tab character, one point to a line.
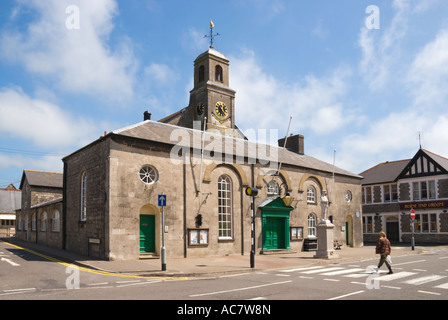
390	272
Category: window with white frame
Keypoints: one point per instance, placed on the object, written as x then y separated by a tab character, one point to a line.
225	207
424	190
367	223
425	222
390	193
312	222
273	188
83	213
311	195
367	195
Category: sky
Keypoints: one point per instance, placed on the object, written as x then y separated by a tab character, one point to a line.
364	78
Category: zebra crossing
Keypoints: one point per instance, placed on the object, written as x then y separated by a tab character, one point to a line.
416	277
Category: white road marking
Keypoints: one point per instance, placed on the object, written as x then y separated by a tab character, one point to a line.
422	280
442	286
339	272
403	263
428	292
238	289
396	276
302	269
11	262
346	295
318	271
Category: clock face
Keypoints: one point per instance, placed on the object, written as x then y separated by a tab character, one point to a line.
221	110
200	108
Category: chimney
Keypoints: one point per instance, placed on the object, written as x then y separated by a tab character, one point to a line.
295	143
146	115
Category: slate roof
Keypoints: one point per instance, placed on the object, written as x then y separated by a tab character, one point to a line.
388	172
42	179
10	201
161	132
385	172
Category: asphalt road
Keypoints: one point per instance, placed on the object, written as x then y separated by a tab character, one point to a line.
25	275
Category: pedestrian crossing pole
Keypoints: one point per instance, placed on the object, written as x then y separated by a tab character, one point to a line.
252	193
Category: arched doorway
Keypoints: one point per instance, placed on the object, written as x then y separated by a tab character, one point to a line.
148	223
349	231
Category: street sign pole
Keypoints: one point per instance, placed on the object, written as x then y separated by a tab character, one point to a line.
252	193
252	219
162	203
412	227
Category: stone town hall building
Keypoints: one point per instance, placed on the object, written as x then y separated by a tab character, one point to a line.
110	191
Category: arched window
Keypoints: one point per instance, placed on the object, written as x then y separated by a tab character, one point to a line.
312	220
55	221
33	222
311	195
83	215
43	221
273	188
225	207
201	74
218	73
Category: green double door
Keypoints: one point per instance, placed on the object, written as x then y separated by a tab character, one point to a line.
147	233
275	223
274	233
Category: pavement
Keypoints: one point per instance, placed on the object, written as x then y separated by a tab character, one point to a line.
211	265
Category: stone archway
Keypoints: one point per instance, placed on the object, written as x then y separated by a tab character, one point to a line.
149	229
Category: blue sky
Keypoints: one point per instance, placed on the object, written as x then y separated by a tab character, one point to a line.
365	92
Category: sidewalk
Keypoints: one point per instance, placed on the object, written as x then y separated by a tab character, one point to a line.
209	266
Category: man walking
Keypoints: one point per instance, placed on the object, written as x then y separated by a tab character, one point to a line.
383	249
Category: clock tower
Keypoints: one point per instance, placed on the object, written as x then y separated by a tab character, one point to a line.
211	96
212	101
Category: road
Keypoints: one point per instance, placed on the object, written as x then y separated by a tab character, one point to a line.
28	275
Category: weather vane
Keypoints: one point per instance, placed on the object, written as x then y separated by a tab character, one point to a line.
211	36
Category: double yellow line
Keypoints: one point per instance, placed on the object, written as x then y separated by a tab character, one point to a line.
105	273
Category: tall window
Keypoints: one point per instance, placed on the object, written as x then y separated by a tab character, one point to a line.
218	74
201	75
273	188
424	190
311	195
312	219
43	221
83	215
225	207
55	221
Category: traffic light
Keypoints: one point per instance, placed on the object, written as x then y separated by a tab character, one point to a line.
252	192
198	220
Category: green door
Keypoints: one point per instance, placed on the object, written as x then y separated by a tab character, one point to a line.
274	237
147	233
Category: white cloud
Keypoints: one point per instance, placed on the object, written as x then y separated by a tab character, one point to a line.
161	73
315	103
43	123
79	60
428	74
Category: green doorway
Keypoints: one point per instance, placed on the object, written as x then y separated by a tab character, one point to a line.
275	223
147	233
274	233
